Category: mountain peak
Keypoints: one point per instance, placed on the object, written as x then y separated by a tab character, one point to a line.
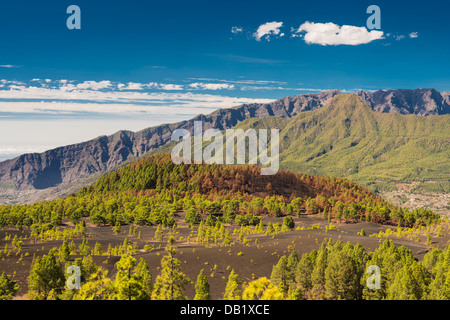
348	102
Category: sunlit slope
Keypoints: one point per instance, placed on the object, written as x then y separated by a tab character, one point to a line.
347	138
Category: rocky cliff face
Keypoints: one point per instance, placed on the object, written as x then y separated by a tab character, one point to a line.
422	102
446	96
68	165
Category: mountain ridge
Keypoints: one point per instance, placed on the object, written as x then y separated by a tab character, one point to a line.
347	138
72	164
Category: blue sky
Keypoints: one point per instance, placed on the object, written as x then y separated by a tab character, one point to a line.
135	64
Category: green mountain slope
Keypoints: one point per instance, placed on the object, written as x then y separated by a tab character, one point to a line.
347	138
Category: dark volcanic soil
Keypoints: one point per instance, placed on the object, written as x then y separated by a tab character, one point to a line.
250	261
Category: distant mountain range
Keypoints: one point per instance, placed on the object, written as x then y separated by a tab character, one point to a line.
32	177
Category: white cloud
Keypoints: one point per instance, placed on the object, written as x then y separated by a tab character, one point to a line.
256	82
413	35
268	29
169	86
236	30
71	99
165	86
92	85
131	86
11	82
54	101
9	66
211	86
254	88
250	87
333	34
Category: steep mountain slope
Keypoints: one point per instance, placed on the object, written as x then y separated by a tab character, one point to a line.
64	169
347	138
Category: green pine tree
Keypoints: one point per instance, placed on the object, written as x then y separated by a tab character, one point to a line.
202	287
279	275
192	216
64	252
289	222
226	238
429	241
159	233
232	289
341	277
170	283
98	250
318	273
303	272
129	284
8	287
409	283
46	277
143	275
99	287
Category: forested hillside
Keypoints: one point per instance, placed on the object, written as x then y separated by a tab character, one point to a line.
346	138
152	190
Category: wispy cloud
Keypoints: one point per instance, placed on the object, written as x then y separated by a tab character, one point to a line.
254	88
398	37
104	97
243	85
257	82
211	86
9	66
246	59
